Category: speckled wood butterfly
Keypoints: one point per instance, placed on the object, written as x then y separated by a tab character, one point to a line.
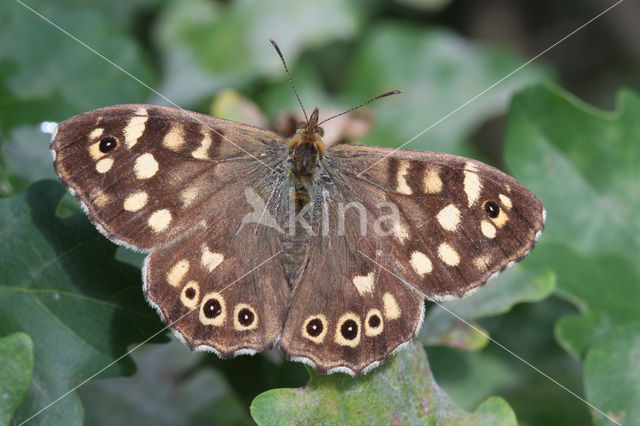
256	240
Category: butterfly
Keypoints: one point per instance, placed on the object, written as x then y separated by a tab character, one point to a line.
255	240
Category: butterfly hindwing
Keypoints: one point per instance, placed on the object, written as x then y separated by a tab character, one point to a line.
222	288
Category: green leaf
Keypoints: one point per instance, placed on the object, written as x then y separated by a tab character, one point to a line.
60	283
164	391
16	359
444	323
439	72
46	75
583	164
612	374
27	157
388	395
209	46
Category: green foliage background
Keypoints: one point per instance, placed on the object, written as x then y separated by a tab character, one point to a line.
70	303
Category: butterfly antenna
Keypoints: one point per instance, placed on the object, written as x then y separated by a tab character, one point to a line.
384	95
275	46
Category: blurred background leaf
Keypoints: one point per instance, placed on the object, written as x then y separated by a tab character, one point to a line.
60	284
581	161
16	359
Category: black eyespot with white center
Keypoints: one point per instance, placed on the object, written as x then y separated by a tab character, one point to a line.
108	144
315	327
212	308
349	329
491	209
246	317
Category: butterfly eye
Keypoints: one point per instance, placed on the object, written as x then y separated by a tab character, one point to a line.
108	144
492	209
301	125
320	131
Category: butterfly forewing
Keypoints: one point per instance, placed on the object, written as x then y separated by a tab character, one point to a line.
149	174
460	221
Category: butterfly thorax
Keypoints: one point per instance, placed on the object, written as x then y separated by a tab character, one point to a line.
305	150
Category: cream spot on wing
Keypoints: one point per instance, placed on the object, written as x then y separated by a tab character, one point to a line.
209	259
104	165
96	133
159	220
400	232
364	283
472	187
501	219
189	194
213	309
448	254
177	272
449	217
482	262
420	263
237	324
432	181
391	308
135	201
141	111
190	295
99	198
347	340
146	166
320	337
134	129
205	143
173	139
488	230
506	201
373	324
403	187
470	166
94	151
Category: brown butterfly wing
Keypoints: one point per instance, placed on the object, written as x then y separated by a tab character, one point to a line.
443	242
156	179
221	288
173	183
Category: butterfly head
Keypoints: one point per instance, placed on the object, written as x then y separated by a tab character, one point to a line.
309	133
